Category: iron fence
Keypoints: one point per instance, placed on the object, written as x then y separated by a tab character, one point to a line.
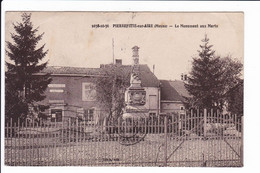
192	138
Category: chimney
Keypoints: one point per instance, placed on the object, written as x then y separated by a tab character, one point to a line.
184	77
118	61
102	65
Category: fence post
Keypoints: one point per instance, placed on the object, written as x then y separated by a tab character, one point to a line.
165	139
205	123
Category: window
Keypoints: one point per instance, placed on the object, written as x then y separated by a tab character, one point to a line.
174	113
152	114
56	115
182	116
88	92
80	112
182	110
152	117
89	114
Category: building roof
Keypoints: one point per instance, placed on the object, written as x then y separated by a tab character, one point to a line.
180	88
173	90
147	77
71	70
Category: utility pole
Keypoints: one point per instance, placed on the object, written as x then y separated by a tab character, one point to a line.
114	86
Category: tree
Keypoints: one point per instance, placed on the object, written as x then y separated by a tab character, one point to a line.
231	73
111	88
235	102
211	77
235	97
23	87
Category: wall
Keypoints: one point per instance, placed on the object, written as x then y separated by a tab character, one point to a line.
171	107
71	95
152	91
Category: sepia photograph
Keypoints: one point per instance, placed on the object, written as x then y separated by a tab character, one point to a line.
124	89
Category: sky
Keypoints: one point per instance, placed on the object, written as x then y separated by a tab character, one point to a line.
72	41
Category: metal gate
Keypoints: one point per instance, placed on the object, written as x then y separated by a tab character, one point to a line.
204	138
194	138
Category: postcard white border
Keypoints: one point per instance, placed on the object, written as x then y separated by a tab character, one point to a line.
251	75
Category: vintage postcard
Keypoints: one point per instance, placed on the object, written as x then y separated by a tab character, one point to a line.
124	89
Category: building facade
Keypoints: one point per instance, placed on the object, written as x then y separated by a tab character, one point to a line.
173	95
72	91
